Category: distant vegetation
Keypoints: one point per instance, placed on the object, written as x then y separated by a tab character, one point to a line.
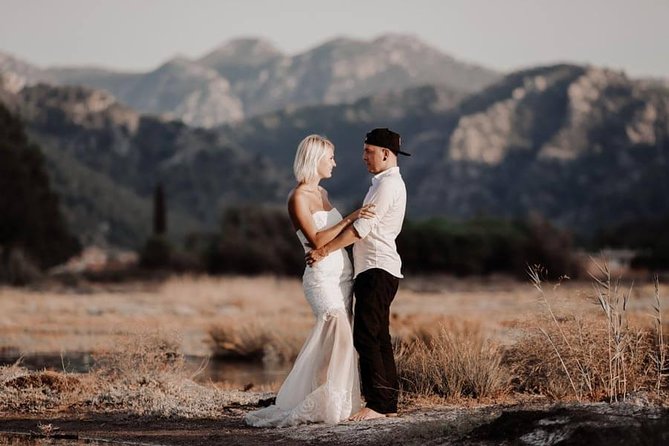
483	246
650	237
255	240
33	233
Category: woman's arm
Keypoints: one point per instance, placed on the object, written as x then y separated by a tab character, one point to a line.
300	215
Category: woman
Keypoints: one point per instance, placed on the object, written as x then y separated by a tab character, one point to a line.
323	385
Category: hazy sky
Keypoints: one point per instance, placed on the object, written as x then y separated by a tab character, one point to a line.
503	34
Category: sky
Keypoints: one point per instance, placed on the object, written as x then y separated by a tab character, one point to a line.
138	35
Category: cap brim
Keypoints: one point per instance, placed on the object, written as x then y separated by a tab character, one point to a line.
403	153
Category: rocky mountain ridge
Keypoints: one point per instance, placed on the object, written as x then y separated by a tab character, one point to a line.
248	77
584	146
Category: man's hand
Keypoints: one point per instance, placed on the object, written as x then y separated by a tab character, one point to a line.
316	255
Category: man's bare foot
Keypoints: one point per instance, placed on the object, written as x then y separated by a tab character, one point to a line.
366	414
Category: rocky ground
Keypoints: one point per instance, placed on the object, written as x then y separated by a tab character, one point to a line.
535	424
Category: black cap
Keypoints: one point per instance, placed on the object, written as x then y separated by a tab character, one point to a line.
385	138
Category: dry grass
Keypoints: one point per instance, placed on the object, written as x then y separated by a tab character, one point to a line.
144	376
590	356
491	339
451	362
256	340
25	391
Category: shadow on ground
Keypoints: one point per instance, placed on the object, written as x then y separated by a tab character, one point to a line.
592	425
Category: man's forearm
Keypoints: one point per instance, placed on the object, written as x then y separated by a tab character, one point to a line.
347	237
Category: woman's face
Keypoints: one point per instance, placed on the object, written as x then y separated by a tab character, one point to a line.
326	164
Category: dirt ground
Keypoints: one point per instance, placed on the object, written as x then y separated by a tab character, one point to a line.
531	424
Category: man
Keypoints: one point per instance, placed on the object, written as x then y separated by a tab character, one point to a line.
377	267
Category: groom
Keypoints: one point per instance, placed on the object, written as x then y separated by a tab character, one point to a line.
377	268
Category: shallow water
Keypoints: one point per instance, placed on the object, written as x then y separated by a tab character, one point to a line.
233	373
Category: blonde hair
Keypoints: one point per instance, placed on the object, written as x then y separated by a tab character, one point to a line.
309	153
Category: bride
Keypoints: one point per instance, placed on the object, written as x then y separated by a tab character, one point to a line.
323	385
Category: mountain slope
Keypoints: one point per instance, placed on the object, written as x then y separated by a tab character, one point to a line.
96	145
247	77
276	135
583	146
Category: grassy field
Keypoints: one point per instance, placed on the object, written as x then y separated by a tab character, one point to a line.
483	340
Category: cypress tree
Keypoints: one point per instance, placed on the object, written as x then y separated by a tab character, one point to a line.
159	211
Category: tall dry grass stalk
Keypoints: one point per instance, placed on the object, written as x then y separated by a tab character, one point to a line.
613	302
535	273
660	359
588	356
451	362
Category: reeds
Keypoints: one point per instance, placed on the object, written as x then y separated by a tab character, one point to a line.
451	362
588	356
660	357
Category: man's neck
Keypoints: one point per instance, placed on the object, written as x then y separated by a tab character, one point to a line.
385	170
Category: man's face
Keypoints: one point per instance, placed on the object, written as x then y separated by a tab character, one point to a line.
373	156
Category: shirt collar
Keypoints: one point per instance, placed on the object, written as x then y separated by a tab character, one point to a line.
391	171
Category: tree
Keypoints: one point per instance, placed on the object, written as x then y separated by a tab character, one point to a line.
31	221
157	251
159	211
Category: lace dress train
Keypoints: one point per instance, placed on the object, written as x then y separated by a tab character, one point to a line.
323	385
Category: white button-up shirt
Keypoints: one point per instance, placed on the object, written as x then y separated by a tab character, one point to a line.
377	248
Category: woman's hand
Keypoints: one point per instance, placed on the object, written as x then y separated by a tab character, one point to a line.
367	211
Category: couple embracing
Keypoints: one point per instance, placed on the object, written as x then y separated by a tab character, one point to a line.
341	357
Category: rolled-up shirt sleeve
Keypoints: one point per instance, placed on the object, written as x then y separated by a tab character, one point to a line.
382	197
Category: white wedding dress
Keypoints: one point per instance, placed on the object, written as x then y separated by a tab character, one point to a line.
323	385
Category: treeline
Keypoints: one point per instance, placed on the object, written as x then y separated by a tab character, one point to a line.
648	237
255	240
483	246
33	233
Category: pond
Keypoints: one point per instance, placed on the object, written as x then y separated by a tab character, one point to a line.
233	373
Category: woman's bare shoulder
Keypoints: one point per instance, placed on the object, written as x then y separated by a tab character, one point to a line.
296	193
297	197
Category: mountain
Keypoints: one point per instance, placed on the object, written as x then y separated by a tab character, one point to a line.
276	135
241	59
247	77
583	146
105	159
178	89
16	73
343	70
